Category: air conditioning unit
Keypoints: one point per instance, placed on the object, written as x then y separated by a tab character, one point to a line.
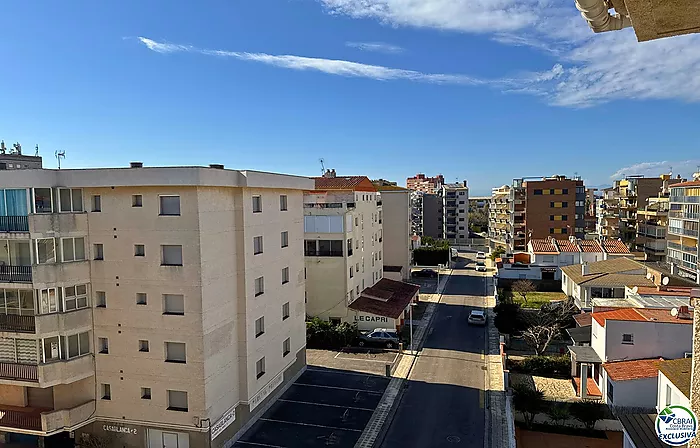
688	354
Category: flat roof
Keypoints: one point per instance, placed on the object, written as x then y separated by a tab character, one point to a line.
585	354
640	428
580	335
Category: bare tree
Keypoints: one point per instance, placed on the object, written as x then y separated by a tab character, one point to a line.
96	441
523	287
546	324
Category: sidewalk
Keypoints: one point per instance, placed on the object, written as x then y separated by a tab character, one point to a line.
386	405
496	417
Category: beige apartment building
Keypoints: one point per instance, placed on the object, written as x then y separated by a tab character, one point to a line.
153	307
500	229
395	218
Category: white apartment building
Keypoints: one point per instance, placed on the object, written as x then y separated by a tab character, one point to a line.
455	206
343	244
151	306
395	235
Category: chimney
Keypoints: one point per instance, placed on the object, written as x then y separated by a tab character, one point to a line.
464	182
333	172
136	165
585	269
684	312
217	166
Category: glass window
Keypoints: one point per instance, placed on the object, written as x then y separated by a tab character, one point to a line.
177	400
106	392
170	205
145	393
100	299
257	245
139	250
52	351
78	344
42	200
174	304
259	286
103	344
171	255
73	249
285	311
75	297
48	300
260	367
175	352
286	347
137	200
45	250
96	203
259	326
285	275
283	202
285	239
141	298
257	204
143	345
70	199
98	251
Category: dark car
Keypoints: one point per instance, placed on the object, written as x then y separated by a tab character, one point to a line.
381	337
424	273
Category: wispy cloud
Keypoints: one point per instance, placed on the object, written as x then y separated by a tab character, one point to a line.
683	167
379	47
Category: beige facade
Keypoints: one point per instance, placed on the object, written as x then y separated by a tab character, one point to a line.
395	219
160	301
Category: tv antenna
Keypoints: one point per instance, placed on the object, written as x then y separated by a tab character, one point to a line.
323	166
60	155
36	151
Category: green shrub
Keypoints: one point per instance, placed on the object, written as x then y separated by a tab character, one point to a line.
528	401
588	413
558	413
509	318
558	365
323	334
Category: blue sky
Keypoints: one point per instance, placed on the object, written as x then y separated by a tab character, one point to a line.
483	91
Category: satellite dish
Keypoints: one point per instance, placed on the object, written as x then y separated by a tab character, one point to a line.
674	312
635	289
664	281
648	275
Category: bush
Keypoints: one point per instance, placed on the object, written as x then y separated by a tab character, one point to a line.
547	366
588	413
558	413
529	402
509	318
324	334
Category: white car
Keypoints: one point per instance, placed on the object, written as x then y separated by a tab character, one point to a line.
480	266
480	256
477	317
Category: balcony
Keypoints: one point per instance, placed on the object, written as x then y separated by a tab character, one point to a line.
689	249
14	224
15	274
70	321
66	371
680	214
686	199
58	420
17	324
69	272
686	232
50	224
43	421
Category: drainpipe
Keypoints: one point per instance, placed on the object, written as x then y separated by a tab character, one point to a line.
599	19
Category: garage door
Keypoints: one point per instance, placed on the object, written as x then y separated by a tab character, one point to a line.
167	439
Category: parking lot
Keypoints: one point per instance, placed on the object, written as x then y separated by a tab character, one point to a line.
324	407
370	361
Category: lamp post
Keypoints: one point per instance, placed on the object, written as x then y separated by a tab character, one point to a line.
410	316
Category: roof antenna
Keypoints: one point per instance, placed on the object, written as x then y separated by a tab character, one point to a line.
36	151
323	166
60	155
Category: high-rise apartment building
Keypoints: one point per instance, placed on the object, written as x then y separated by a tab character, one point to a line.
479	212
683	229
652	222
156	307
395	218
429	185
432	215
500	230
455	212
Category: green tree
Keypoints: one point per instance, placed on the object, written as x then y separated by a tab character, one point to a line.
588	413
497	253
509	318
558	413
528	401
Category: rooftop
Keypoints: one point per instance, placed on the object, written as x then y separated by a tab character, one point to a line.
567	246
678	372
615	247
543	246
676	291
354	183
632	370
583	319
640	428
386	298
641	315
589	246
692	183
605	267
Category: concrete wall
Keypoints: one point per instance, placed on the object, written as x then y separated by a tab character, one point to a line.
432	211
664	385
633	393
651	339
13	395
396	227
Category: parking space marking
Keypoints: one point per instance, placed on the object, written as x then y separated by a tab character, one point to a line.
314	369
323	404
309	424
341	388
337	356
258	444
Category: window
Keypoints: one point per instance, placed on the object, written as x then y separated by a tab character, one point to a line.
169	205
141	298
177	400
43	201
75	297
96	203
357	267
48	300
285	275
380	253
260	367
100	299
351	272
538	192
461	193
323	248
257	245
70	200
357	290
628	338
45	250
136	200
284	236
283	202
143	346
259	286
78	344
257	204
564	204
357	221
551	230
551	217
461	228
323	224
461	202
174	304
349	246
259	326
98	251
145	393
73	249
564	217
103	343
286	347
106	392
175	352
461	219
285	311
565	191
19	302
610	391
171	255
139	250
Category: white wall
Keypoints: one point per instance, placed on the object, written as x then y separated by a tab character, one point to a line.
651	339
598	338
677	397
528	273
632	393
396	228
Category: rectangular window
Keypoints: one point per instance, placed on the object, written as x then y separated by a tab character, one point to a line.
284	237
259	286
136	200
380	252
45	250
565	191
73	249
174	304
349	247
98	251
286	347
141	298
564	217
257	204
103	343
70	200
628	338
75	297
100	299
551	230
668	395
169	205
145	393
357	267
285	311
538	192
139	250
175	352
106	392
259	326
260	367
357	290
351	272
78	344
285	275
171	255
283	202
96	203
143	346
564	204
43	201
257	245
177	400
610	392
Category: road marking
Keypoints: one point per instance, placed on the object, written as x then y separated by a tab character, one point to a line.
310	424
258	444
340	388
329	405
322	370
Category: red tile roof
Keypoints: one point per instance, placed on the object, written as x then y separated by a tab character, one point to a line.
583	319
386	298
615	247
567	246
589	246
355	183
629	314
640	315
543	246
691	183
632	370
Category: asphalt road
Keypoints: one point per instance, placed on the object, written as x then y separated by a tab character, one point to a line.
443	405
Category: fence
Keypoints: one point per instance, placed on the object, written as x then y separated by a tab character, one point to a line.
15	274
14	224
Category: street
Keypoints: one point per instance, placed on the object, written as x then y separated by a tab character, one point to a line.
443	404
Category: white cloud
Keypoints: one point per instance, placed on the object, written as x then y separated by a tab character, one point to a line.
683	167
162	47
378	47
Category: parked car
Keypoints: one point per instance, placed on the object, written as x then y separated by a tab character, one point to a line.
424	273
383	337
477	317
481	266
480	256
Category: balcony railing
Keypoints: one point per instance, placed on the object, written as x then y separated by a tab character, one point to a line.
29	420
680	214
15	274
686	232
16	323
687	199
14	224
688	249
19	372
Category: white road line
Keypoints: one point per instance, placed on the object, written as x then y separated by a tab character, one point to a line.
365	360
324	404
258	444
340	388
322	370
310	424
